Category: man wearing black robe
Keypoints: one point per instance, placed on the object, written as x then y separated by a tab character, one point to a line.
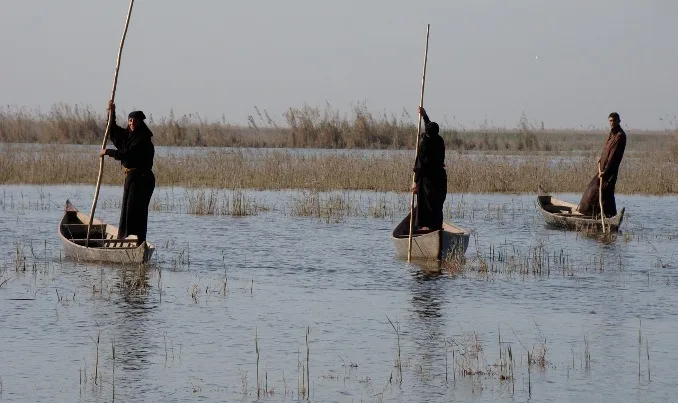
609	161
430	178
135	151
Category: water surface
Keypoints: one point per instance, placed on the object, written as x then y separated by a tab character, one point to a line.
221	286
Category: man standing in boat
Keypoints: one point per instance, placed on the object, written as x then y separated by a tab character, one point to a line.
608	168
430	178
135	151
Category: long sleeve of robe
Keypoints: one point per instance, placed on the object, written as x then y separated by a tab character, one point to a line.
610	160
117	134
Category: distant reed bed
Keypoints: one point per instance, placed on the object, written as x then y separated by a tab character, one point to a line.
280	169
311	127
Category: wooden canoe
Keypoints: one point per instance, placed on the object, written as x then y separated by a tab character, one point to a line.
103	244
442	244
560	214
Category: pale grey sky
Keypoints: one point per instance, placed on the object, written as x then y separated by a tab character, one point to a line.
214	57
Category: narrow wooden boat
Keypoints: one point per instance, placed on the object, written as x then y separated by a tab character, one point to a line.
561	214
103	243
442	244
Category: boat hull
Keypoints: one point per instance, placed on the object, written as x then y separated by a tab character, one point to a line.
139	255
561	214
445	244
103	245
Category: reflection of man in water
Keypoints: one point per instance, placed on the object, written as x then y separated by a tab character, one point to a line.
133	343
427	324
425	303
132	340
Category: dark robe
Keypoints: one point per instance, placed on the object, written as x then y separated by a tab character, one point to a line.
135	151
610	159
430	177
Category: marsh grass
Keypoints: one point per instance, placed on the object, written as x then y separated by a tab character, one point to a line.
536	260
330	207
473	358
389	206
308	126
235	203
42	202
506	363
471	361
134	279
398	363
276	170
30	257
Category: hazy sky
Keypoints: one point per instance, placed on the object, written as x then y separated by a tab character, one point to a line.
225	57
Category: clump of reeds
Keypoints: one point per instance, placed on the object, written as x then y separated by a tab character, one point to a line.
134	279
203	202
200	203
536	260
383	206
454	263
330	207
468	356
181	257
311	127
506	362
26	256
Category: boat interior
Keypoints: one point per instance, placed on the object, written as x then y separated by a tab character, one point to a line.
559	207
73	229
403	229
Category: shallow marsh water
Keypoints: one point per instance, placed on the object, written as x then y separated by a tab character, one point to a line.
222	286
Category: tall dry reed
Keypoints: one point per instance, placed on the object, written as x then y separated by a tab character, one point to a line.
306	127
467	173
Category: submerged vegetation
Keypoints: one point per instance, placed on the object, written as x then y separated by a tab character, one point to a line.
509	360
513	359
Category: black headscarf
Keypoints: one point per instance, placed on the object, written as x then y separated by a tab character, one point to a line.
136	115
141	129
432	128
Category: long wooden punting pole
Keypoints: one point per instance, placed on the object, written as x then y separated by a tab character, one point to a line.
416	152
600	197
108	123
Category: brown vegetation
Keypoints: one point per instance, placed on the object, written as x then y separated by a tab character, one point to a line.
238	169
308	127
649	166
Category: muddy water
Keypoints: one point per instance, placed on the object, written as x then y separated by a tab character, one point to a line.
220	287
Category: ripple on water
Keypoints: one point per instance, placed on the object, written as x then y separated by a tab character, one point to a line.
265	280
